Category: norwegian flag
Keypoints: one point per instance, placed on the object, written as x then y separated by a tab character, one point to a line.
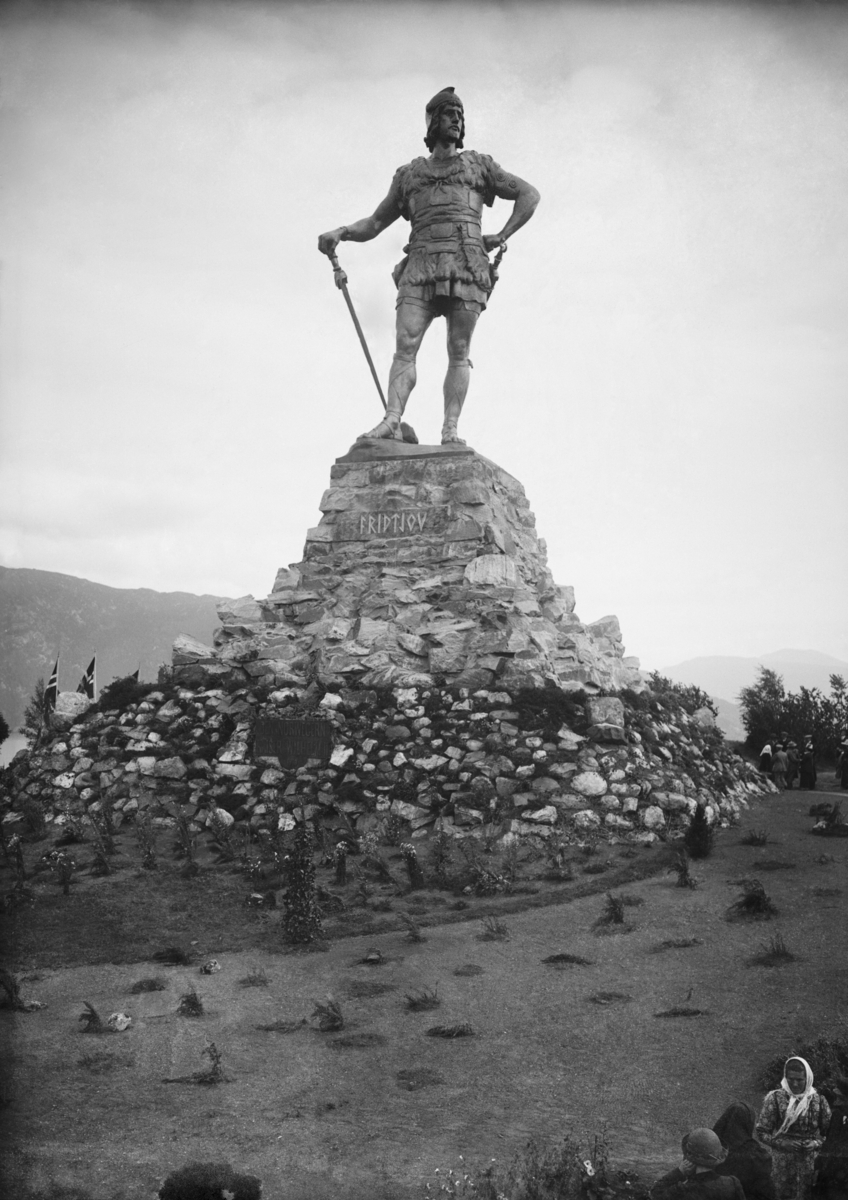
52	690
87	685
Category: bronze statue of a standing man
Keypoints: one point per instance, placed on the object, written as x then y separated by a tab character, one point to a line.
446	271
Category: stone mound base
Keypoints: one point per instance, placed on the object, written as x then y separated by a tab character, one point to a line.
508	763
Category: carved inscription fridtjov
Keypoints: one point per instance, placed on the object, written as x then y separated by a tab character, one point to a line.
391	523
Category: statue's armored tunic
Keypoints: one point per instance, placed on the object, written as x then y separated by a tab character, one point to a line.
443	200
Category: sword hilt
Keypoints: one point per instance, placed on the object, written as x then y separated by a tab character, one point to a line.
339	276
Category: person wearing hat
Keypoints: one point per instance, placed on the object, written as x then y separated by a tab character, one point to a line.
792	761
446	271
779	763
793	1122
697	1178
748	1159
808	765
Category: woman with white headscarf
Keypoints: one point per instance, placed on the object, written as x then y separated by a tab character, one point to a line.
793	1121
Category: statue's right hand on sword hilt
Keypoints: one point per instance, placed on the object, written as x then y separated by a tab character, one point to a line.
339	276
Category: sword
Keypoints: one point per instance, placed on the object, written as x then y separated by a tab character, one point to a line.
341	283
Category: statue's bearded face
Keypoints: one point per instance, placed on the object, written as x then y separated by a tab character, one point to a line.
449	128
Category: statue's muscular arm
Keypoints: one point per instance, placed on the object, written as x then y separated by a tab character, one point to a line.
385	214
526	197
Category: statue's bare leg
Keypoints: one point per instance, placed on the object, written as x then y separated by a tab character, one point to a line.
413	321
461	324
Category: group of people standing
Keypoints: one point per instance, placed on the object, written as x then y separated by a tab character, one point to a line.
797	1149
785	763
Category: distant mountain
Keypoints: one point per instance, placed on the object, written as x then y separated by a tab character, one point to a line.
723	678
726	676
42	612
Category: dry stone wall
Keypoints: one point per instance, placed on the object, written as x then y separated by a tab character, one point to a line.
627	768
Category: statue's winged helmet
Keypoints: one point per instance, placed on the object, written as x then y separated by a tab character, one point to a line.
433	112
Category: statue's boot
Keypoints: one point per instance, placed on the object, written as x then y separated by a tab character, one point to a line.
388	428
449	435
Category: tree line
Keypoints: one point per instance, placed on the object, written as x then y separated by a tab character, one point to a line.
769	712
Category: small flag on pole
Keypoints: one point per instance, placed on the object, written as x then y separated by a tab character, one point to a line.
87	684
135	674
52	690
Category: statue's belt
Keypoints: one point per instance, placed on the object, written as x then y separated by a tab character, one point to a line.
445	236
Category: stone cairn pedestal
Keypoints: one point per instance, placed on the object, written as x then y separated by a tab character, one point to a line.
424	569
416	665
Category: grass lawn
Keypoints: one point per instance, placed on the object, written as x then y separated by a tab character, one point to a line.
372	1109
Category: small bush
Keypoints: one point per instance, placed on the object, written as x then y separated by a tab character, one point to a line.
153	984
302	921
441	857
210	1181
90	1020
422	1001
172	956
684	877
413	929
682	1011
604	998
753	905
328	1016
450	1031
756	837
494	930
256	978
340	864
190	1004
146	838
561	960
698	838
773	954
613	912
413	867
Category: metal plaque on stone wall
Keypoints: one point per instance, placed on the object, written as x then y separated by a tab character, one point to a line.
292	741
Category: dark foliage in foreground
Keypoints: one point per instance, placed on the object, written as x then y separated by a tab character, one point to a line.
827	1056
210	1181
753	905
698	838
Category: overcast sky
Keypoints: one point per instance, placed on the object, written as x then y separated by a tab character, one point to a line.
663	365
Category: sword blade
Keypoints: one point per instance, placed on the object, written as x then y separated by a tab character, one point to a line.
363	343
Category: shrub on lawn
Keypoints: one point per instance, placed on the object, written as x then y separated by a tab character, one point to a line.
423	1000
698	838
494	930
302	921
209	1181
684	877
413	867
190	1004
328	1016
753	905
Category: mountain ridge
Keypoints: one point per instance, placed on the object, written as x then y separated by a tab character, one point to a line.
45	612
